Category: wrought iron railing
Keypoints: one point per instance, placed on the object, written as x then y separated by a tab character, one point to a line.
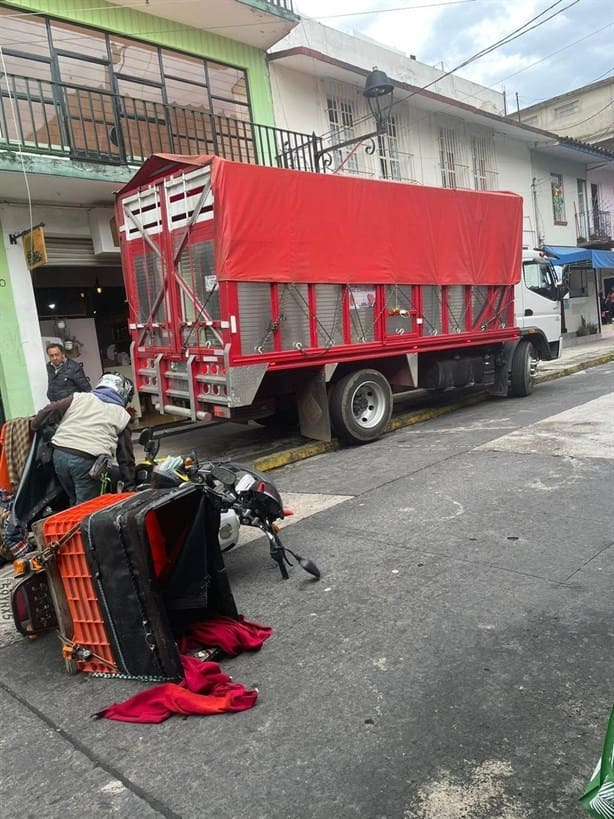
593	226
93	125
282	4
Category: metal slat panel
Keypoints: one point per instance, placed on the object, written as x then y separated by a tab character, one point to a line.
456	308
361	305
255	317
431	310
64	252
398	307
294	311
329	312
479	297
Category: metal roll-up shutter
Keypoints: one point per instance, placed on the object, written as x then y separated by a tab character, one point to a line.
65	252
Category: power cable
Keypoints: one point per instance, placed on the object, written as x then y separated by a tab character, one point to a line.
384	11
592	116
527	26
13	107
554	53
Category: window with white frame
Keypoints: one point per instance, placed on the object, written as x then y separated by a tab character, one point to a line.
388	151
582	220
483	163
341	122
451	156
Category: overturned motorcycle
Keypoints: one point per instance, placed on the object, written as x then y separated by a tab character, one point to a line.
238	491
111	570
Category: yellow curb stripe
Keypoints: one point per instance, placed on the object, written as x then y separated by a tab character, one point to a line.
575	368
289	456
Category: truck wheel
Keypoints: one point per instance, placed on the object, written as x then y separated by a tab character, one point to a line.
524	366
361	406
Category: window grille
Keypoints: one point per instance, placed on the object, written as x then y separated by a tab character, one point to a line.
451	151
341	122
483	162
388	151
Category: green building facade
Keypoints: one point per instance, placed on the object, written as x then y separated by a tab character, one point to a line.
88	89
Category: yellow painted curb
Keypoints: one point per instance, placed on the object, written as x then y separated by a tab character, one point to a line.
300	453
604	358
290	456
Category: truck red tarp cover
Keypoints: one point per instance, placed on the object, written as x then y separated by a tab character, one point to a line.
294	226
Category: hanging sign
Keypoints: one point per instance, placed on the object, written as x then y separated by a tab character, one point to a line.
34	247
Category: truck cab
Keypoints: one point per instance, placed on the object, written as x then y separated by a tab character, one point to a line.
537	300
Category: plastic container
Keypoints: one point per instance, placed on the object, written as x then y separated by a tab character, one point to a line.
88	626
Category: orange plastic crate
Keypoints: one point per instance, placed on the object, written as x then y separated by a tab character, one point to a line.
88	624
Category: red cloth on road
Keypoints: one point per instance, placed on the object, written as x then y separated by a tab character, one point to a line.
231	636
205	689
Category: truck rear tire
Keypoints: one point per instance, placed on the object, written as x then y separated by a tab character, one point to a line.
522	376
361	406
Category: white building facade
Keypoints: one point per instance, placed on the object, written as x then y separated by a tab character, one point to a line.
442	131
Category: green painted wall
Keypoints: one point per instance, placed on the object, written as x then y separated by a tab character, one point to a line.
14	384
131	23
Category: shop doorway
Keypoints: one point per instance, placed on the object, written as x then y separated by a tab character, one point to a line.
85	308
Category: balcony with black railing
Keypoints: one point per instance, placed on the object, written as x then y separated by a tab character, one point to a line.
90	125
594	228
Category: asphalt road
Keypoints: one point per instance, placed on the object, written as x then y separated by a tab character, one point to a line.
452	662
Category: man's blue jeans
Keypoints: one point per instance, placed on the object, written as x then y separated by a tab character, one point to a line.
73	474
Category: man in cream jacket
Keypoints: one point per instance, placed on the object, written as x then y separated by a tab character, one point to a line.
90	424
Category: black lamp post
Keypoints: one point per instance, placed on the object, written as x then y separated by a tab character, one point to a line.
378	91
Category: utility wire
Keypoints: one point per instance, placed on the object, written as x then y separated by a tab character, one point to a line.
554	53
19	148
384	11
529	25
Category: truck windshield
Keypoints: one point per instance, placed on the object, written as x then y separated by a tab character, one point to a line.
539	277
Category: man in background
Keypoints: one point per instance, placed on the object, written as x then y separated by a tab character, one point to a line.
65	376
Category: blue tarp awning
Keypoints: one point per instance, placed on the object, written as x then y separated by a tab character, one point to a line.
567	255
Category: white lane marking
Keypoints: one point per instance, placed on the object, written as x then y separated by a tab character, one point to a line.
582	432
302	504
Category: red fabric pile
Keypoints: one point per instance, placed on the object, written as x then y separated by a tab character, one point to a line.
231	636
205	689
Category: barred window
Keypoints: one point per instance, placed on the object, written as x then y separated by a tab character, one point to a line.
451	159
388	151
483	162
341	122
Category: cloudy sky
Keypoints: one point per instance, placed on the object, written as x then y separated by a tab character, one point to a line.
572	48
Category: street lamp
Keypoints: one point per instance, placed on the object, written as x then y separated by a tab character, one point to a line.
378	92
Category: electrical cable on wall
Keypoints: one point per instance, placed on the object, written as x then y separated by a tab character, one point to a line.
19	148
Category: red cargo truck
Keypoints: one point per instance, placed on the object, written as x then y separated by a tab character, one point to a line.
254	292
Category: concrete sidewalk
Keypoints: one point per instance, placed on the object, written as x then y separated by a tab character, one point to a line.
580	354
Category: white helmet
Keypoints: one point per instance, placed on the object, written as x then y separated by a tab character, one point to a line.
116	381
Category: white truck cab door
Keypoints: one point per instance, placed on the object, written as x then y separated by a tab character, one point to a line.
538	298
